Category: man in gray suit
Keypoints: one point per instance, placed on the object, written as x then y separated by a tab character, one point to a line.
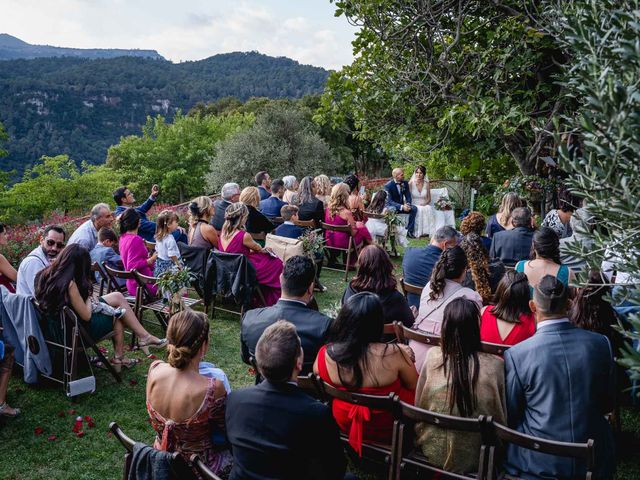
560	384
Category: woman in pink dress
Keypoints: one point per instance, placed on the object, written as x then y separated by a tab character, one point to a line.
234	239
339	213
133	251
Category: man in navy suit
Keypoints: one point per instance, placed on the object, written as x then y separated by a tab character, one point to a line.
263	181
399	197
559	386
514	245
275	429
270	207
289	214
418	263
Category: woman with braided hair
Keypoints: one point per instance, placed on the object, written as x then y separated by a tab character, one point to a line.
482	276
444	286
184	406
234	239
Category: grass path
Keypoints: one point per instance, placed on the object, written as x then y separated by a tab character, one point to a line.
26	455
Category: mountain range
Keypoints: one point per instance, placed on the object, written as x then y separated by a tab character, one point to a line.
12	48
81	106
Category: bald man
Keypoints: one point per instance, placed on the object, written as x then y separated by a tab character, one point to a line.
399	197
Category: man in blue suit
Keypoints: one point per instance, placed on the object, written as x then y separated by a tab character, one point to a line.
270	207
560	384
399	197
418	263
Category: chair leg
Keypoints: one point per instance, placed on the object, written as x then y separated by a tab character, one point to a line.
346	268
105	361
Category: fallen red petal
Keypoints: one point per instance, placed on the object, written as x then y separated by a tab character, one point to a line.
38	430
133	381
87	418
80	434
91	424
61	413
72	412
52	438
151	356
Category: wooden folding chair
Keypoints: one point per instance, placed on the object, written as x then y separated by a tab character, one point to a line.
151	246
277	220
580	451
179	467
373	452
146	301
309	383
352	249
113	275
100	287
411	458
202	469
72	340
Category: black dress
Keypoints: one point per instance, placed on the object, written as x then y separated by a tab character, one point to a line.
313	210
257	222
394	305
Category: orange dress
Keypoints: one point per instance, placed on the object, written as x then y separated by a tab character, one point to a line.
192	435
363	424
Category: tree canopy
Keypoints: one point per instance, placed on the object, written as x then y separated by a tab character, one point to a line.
477	77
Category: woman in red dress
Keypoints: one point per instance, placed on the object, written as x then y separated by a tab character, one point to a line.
355	360
8	274
234	239
510	320
339	213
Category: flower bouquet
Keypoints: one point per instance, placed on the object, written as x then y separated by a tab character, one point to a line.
173	285
444	203
312	243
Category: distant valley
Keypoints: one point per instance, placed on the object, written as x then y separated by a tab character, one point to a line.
81	106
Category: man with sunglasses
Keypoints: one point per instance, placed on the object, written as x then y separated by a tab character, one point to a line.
51	244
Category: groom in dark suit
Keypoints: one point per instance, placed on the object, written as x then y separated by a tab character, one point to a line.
399	197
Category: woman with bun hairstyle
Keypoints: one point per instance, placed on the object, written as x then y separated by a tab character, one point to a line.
185	407
201	234
234	239
444	286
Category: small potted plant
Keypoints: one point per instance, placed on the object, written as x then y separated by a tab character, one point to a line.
173	285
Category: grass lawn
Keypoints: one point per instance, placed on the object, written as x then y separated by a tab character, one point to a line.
25	455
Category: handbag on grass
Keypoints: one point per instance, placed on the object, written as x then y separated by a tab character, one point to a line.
284	247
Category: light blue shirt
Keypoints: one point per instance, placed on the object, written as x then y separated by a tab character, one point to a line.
85	235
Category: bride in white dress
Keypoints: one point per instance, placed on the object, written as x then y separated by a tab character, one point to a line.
421	198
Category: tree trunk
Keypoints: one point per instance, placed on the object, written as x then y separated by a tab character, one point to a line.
518	148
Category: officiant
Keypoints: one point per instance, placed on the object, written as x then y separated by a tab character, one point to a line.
399	198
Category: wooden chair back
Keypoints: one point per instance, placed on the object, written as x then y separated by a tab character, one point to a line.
102	286
371	452
114	274
258	236
494	348
305	223
408	288
580	451
309	383
202	469
151	246
411	458
418	336
179	466
277	220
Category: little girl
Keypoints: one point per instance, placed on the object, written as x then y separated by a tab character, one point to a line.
166	246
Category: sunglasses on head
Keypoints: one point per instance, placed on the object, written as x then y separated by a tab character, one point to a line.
51	243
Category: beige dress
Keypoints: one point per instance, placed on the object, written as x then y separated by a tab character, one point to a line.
457	451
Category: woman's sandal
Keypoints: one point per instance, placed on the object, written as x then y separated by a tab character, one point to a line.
146	343
7	411
119	362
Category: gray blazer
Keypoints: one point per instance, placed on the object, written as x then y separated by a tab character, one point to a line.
560	384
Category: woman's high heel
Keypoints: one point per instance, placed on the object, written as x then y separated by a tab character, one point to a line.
146	343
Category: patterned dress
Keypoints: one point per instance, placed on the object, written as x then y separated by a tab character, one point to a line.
193	435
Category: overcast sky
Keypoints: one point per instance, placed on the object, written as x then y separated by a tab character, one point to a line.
304	30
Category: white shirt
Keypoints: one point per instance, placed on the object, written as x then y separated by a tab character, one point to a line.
167	248
85	235
551	321
33	263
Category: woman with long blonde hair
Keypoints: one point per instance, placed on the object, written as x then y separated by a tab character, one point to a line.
201	233
257	222
502	220
234	239
339	213
323	188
